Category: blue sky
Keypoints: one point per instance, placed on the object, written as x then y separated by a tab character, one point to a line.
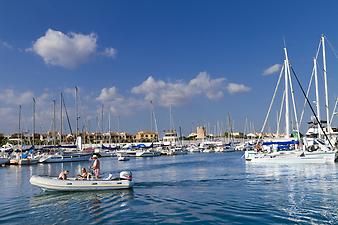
205	58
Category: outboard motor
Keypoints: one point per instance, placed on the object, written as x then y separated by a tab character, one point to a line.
126	175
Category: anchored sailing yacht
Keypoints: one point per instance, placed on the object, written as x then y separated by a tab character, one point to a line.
290	149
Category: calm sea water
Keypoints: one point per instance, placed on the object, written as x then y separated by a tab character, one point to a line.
217	188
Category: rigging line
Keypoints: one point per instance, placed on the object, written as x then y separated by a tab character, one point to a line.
307	94
273	98
334	111
334	51
309	86
318	49
281	110
70	127
321	127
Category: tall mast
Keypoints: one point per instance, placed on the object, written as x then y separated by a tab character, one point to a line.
102	119
151	115
170	119
317	93
109	128
326	89
20	134
54	130
33	141
287	119
77	111
154	117
61	118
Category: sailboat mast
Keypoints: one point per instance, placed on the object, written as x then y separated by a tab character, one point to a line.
33	141
102	119
317	93
109	128
54	121
151	116
170	119
61	118
325	86
20	134
77	111
287	119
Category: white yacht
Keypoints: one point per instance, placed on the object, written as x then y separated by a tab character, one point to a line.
147	153
286	151
65	157
291	150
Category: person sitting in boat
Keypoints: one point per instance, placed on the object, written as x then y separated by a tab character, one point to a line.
259	146
84	174
63	175
96	167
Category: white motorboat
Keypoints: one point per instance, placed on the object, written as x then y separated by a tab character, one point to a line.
209	150
65	157
74	184
229	148
147	153
105	152
122	158
126	152
178	151
193	149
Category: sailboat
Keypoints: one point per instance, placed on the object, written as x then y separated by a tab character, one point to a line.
62	155
289	149
26	157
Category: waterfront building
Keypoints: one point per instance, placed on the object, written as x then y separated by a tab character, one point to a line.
201	132
146	136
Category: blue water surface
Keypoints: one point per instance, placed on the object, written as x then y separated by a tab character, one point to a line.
205	188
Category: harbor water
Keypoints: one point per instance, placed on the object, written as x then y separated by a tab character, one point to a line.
214	188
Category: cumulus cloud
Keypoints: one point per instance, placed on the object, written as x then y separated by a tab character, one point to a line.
4	44
10	99
175	93
109	52
234	88
8	96
117	103
108	94
272	69
66	50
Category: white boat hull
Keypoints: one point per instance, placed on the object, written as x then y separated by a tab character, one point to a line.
292	157
147	154
62	158
122	158
71	184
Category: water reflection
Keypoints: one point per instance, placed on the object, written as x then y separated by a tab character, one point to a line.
92	206
302	193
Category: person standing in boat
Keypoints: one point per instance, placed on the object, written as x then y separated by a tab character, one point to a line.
96	166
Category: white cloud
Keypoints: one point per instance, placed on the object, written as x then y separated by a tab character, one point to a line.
175	93
272	69
8	96
109	52
66	50
10	99
108	94
234	88
4	44
118	104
